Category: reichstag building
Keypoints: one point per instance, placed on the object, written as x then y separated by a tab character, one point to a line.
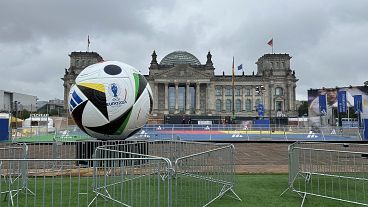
186	90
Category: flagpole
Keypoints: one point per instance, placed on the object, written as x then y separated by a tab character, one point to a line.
272	46
233	86
88	42
270	43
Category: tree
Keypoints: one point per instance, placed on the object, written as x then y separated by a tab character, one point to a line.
366	83
24	114
303	109
53	112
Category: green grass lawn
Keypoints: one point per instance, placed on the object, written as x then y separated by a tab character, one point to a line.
260	190
256	190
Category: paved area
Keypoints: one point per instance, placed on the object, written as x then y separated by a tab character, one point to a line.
261	157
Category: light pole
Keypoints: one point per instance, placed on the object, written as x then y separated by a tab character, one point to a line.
16	103
16	114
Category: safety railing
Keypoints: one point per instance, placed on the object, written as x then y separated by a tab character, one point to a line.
329	170
123	173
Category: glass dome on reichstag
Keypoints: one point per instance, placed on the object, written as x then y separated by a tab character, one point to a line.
179	57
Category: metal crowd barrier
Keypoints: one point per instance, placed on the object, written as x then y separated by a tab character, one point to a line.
115	173
329	170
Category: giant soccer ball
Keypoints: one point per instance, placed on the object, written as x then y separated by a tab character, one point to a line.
110	100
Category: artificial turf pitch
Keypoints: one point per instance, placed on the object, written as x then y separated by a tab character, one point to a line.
255	190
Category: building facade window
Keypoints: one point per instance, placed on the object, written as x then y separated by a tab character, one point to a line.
181	99
248	105
238	105
218	91
218	105
237	91
172	98
228	105
228	91
278	105
248	92
279	91
192	99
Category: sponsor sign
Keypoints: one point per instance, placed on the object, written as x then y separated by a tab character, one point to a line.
260	108
341	101
322	105
204	122
38	115
358	103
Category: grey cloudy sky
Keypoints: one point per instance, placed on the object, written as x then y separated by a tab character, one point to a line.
328	40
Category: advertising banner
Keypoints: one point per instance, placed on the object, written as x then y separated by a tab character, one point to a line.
341	101
334	104
358	103
365	133
323	105
260	110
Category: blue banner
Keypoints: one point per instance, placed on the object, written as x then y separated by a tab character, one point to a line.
358	103
341	101
365	132
260	110
322	105
262	123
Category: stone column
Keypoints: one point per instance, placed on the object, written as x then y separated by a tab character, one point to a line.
65	95
293	97
155	97
287	98
253	98
270	100
198	98
176	97
166	109
187	98
209	100
242	106
223	99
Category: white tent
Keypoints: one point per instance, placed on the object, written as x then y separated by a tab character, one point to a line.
39	122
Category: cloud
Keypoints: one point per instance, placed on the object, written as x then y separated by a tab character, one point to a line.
327	40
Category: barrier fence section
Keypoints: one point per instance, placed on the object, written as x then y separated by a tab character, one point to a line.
199	173
115	173
329	170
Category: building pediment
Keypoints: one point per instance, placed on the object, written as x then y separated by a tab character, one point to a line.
183	72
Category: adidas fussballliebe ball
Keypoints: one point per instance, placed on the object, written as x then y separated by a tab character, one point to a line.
110	100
